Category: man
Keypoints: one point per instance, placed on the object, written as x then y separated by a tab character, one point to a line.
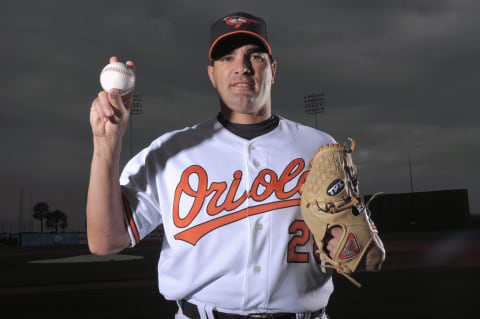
226	192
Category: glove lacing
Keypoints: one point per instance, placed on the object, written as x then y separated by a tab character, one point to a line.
340	268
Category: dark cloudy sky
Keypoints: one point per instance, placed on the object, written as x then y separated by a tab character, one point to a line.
399	76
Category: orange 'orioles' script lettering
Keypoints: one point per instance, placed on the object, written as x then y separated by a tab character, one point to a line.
271	185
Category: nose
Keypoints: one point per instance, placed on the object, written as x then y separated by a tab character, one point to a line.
243	65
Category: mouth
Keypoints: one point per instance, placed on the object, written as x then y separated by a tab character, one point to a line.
243	85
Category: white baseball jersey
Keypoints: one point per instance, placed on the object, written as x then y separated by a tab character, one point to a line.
234	236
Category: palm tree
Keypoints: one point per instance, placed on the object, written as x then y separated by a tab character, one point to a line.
55	219
39	211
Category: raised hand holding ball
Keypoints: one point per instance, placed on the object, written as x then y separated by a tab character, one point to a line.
119	76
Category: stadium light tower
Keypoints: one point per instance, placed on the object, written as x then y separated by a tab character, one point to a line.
137	109
314	104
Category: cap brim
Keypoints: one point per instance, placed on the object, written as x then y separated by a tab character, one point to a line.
239	32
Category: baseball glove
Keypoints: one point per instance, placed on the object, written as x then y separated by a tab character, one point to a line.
330	197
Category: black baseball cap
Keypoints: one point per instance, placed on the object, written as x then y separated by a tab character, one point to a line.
238	25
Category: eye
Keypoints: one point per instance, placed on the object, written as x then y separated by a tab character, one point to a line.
226	58
257	57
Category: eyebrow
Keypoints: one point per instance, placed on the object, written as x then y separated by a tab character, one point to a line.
255	50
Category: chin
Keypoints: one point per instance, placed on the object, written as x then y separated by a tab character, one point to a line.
246	109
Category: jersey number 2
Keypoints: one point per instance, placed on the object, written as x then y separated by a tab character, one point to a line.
300	239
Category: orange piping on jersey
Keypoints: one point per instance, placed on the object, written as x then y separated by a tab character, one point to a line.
131	222
193	235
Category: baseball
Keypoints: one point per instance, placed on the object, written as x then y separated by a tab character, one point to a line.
119	76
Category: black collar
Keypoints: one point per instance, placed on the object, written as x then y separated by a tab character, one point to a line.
250	131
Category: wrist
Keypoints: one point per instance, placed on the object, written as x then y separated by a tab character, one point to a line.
107	148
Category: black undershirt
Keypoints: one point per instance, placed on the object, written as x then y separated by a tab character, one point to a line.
250	131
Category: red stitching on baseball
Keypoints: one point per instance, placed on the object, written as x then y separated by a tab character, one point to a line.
115	69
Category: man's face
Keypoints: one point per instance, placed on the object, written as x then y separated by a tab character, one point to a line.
243	78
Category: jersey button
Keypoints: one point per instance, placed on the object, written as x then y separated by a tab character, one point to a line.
256	163
259	226
251	147
257	269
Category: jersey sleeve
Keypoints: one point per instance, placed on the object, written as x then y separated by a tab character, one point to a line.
140	196
321	137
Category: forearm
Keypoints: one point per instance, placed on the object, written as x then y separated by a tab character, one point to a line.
107	232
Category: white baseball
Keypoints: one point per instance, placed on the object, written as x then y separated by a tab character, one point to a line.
119	76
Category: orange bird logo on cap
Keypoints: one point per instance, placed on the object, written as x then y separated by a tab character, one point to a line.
237	21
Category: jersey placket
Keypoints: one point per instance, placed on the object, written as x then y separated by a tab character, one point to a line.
257	267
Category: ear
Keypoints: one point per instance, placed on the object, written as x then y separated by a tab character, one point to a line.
210	75
274	70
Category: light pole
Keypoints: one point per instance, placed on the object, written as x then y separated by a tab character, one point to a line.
20	215
314	103
137	109
410	167
413	213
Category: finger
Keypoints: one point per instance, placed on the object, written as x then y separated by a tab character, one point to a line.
131	64
330	250
116	100
105	108
113	59
336	232
127	100
96	118
97	110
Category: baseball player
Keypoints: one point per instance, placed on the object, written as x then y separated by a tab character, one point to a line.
226	191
